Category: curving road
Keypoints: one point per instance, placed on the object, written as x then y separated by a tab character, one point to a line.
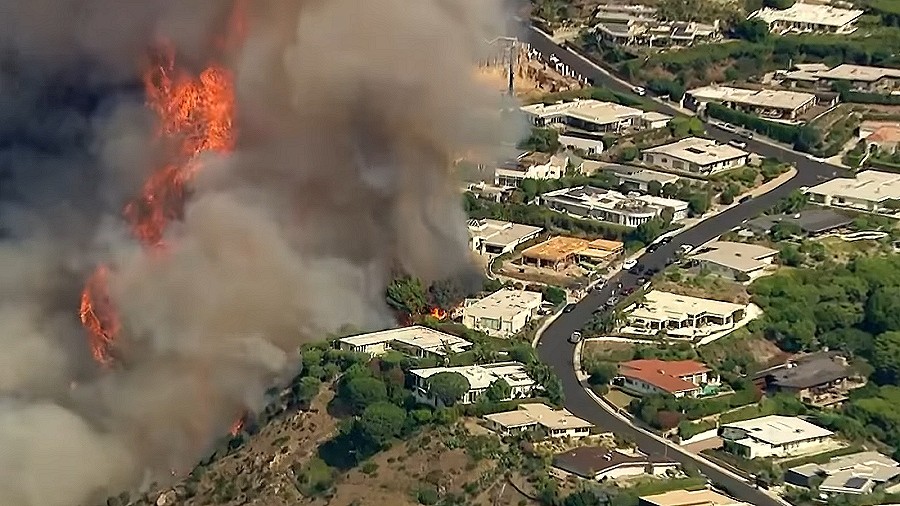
554	348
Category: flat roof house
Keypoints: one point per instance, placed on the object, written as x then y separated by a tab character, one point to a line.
820	379
703	156
806	17
772	436
681	315
861	77
779	104
638	25
416	340
598	463
702	497
611	206
680	378
870	190
534	165
734	260
855	474
811	221
556	423
640	179
558	252
498	237
588	144
588	115
480	377
502	313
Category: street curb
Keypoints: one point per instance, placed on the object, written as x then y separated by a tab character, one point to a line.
540	331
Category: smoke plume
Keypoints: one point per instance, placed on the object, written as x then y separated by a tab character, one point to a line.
349	114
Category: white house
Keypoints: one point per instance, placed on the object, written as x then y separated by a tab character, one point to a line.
556	423
416	340
589	115
497	237
531	166
599	463
694	154
586	143
502	313
480	377
630	210
808	17
870	190
773	436
681	315
734	260
642	178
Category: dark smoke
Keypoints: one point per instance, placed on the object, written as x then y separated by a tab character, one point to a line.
350	113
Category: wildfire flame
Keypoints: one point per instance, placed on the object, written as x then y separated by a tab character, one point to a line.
237	426
196	116
438	313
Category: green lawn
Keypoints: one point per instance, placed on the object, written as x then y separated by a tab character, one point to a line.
619	398
652	487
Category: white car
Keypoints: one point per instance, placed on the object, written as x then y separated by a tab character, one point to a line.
639	91
686	248
738	144
575	337
628	264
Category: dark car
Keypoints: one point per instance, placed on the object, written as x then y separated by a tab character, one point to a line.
569	308
637	269
628	291
666	240
745	199
653	247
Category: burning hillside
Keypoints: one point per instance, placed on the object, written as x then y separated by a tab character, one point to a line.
199	187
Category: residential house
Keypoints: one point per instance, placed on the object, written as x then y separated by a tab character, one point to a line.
812	222
496	237
680	378
559	252
734	260
640	179
611	206
702	497
503	313
587	144
534	165
638	25
598	463
587	115
480	377
416	340
820	379
861	78
556	423
870	190
773	436
681	315
771	104
694	154
855	474
880	135
808	17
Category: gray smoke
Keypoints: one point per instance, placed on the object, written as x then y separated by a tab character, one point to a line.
350	113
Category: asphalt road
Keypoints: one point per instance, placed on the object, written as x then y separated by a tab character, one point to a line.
554	348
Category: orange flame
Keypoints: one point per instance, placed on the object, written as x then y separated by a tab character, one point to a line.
196	116
237	426
438	313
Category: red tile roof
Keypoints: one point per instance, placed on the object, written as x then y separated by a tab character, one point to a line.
665	375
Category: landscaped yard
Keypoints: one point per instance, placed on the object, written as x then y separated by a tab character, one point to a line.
619	398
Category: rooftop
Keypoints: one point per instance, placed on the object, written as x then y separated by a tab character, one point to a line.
665	375
779	430
808	371
589	110
699	151
809	13
556	248
855	473
644	175
779	99
588	461
885	134
660	305
418	336
735	255
500	233
537	413
481	376
849	72
589	197
505	303
703	497
868	185
812	221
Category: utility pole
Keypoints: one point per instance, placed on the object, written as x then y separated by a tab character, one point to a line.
511	46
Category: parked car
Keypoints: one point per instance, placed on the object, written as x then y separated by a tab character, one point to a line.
686	248
729	128
628	264
575	337
653	247
569	308
612	301
637	269
738	144
665	240
747	134
639	91
628	291
745	198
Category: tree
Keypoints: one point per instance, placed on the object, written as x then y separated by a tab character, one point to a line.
381	422
629	153
883	310
448	387
364	391
445	293
498	391
753	30
407	295
654	188
306	389
808	138
601	373
541	139
698	203
553	294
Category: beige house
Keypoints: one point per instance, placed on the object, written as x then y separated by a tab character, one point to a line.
556	423
870	190
778	104
479	377
681	315
416	340
694	154
773	436
702	497
503	313
734	260
809	17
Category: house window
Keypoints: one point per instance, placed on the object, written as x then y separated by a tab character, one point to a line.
489	323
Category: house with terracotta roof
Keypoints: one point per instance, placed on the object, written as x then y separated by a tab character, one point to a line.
882	135
681	378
